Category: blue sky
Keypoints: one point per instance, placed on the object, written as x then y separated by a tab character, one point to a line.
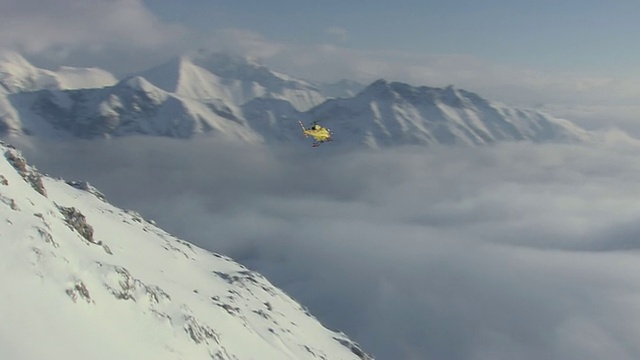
556	35
574	58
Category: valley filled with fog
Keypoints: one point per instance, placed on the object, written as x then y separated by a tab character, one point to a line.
507	251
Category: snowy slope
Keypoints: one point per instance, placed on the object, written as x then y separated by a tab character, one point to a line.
82	279
275	120
234	80
133	106
17	74
393	113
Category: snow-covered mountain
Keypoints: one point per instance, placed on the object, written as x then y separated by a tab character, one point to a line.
133	106
232	79
239	99
392	113
18	75
83	279
388	113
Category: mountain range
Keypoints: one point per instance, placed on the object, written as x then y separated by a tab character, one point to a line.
83	279
238	99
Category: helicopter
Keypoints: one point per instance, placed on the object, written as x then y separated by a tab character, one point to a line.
320	134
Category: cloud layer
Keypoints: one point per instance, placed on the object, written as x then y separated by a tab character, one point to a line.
511	251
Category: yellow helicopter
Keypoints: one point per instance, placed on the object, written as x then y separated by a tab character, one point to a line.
319	133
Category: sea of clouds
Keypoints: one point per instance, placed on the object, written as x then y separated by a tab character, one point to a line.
510	251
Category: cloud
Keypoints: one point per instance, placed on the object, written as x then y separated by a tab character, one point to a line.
338	33
510	251
37	25
595	116
243	42
93	29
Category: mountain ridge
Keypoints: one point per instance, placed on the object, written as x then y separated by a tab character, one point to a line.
17	74
244	101
232	79
88	280
426	115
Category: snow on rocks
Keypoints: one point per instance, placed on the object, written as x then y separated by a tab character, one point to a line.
146	295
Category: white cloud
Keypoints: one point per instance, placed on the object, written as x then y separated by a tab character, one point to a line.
510	251
62	31
243	42
338	33
599	116
39	25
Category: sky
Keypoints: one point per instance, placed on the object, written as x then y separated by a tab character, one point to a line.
573	58
514	251
566	35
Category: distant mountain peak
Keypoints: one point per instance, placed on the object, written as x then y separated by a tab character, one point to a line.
138	83
212	76
230	66
341	89
17	74
398	91
212	93
168	75
380	88
11	57
391	113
